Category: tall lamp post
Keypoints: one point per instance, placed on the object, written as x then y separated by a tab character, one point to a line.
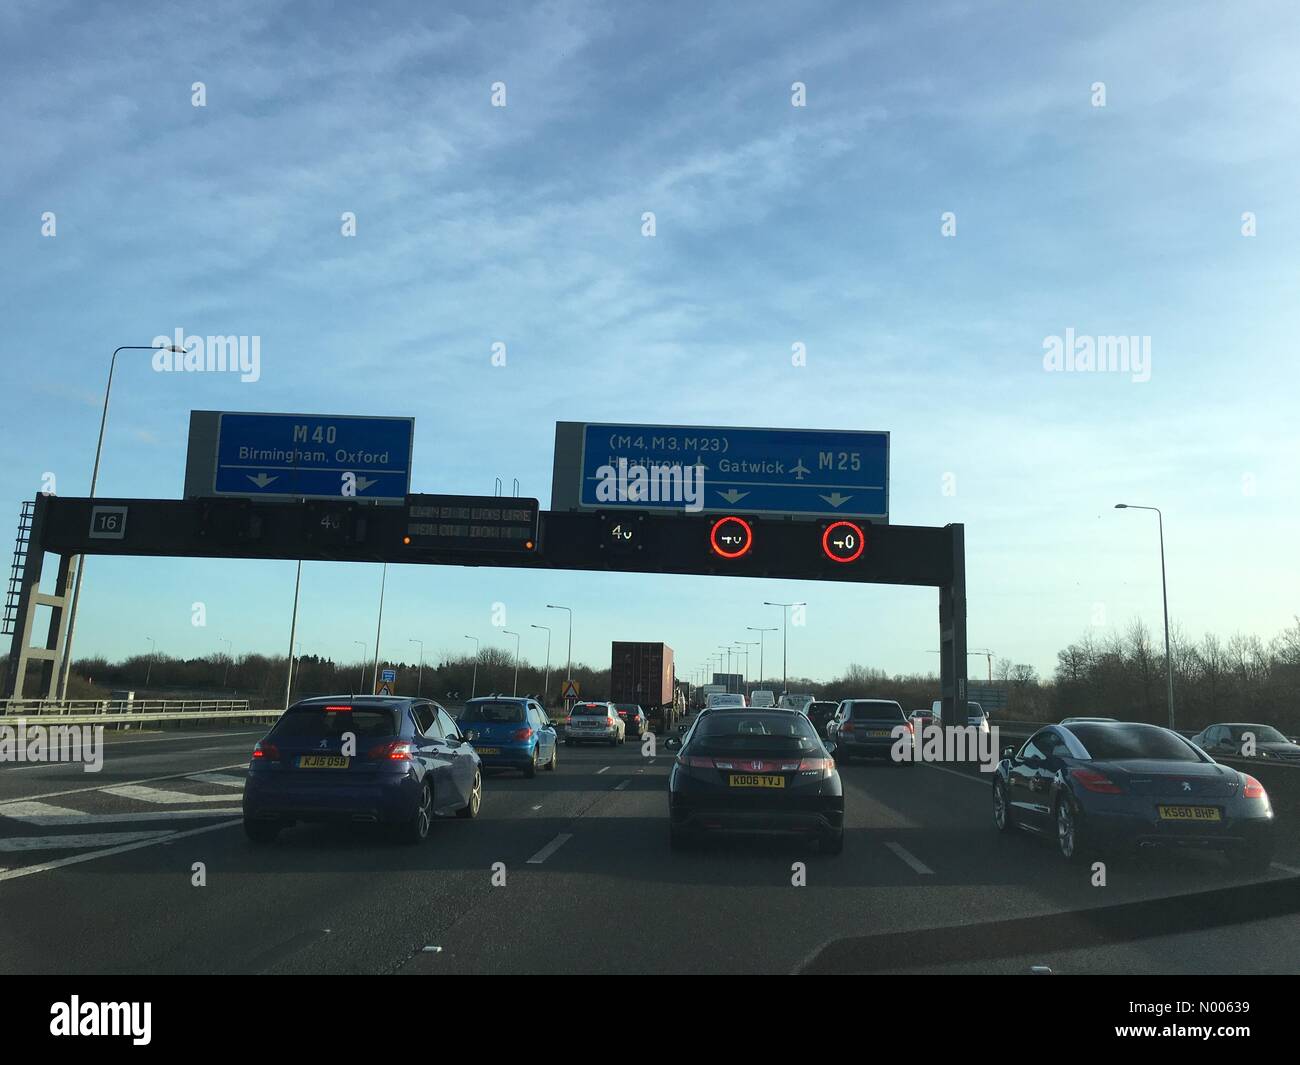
746	644
229	648
785	626
568	672
762	636
94	480
153	646
507	632
361	673
473	684
419	675
1164	593
546	684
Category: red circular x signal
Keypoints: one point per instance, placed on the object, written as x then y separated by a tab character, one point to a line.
843	541
731	537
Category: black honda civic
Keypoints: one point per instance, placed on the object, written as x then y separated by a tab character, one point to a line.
1102	785
756	771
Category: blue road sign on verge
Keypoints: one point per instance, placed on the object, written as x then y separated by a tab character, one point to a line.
313	456
388	675
809	472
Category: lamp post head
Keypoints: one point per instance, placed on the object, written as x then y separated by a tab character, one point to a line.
1121	506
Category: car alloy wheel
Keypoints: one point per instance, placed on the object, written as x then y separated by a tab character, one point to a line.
1067	829
475	797
417	829
1000	807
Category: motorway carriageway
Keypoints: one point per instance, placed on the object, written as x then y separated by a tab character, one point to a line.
95	877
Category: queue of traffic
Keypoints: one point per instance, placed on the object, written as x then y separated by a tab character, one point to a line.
1094	785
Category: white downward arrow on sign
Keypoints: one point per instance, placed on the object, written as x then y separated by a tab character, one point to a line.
835	499
732	496
261	480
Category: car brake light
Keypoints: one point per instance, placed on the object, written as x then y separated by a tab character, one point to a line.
691	762
622	713
266	750
911	730
824	766
1091	780
395	751
345	709
522	734
1253	789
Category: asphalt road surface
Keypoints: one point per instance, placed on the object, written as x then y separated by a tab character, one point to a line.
97	876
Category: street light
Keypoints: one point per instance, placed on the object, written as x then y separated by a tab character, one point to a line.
1164	593
230	647
746	644
726	650
546	684
473	684
361	673
419	675
568	673
379	626
762	636
94	479
153	645
507	632
784	638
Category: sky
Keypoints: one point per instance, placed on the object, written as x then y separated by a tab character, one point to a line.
962	182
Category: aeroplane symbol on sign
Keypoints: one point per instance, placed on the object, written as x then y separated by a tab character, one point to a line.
800	471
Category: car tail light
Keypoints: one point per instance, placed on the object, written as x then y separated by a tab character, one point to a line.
266	752
394	751
911	730
609	722
1253	789
847	726
522	734
344	709
1091	780
691	762
824	766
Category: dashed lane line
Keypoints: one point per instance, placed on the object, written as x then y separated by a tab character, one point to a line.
912	861
555	844
161	796
23	844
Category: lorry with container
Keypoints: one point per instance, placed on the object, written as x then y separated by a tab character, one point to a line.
642	673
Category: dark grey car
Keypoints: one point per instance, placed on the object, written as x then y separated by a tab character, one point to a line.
866	728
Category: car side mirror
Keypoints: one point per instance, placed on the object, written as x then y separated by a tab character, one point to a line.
1008	751
830	746
468	737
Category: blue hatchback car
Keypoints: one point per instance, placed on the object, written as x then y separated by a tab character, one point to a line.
397	762
510	732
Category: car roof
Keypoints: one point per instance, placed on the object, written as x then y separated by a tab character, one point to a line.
371	701
500	699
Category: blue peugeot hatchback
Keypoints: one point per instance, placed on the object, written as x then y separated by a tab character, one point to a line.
510	732
397	762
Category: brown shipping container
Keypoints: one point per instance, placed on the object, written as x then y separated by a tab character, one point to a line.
641	673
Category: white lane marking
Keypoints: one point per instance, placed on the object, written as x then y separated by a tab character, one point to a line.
101	787
538	806
224	779
983	778
1287	868
917	866
76	859
599	771
623	784
42	813
159	795
555	844
75	842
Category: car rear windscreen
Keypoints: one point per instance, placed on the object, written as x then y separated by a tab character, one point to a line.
631	708
1262	733
591	710
303	722
731	733
488	713
1118	742
878	712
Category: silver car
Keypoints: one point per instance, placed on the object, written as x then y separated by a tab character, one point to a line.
595	723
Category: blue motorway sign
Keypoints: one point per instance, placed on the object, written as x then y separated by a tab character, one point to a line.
313	456
810	472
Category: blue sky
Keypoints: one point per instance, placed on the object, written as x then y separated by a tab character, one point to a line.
775	225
